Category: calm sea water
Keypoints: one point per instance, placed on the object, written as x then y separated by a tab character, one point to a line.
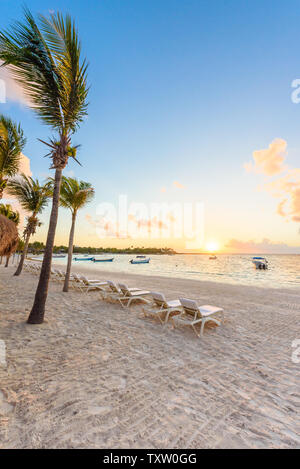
284	270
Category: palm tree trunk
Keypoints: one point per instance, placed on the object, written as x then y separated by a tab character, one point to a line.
23	257
70	253
37	313
7	261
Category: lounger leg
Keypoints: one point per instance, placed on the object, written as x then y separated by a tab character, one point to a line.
202	327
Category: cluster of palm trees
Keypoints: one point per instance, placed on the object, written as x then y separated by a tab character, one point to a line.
44	56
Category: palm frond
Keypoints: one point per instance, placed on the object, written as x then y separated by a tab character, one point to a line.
12	142
47	63
32	196
75	194
8	212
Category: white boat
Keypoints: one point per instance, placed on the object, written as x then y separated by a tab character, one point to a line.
260	263
140	261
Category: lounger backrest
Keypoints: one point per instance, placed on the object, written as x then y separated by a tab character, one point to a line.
84	279
159	299
113	286
190	307
124	289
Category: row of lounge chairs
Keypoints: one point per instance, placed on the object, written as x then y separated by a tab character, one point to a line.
183	311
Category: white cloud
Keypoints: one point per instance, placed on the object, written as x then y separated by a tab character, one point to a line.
13	90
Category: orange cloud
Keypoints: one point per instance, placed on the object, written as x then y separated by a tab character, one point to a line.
269	161
286	186
178	185
263	247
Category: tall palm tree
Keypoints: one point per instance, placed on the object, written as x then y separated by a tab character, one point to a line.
12	142
33	197
44	56
74	195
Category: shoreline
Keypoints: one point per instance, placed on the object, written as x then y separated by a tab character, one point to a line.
95	374
282	274
106	274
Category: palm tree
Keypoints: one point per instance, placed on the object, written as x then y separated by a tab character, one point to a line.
8	212
12	142
13	215
45	59
33	197
74	195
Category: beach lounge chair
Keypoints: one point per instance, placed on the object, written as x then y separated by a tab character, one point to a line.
114	292
130	295
162	308
84	285
93	284
193	314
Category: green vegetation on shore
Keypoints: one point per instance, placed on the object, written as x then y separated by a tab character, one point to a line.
38	248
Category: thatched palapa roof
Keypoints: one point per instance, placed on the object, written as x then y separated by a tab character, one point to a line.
9	237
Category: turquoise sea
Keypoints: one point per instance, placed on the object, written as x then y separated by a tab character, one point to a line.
284	270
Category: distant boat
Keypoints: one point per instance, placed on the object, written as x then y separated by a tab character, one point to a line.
212	257
84	258
58	256
260	263
140	261
105	259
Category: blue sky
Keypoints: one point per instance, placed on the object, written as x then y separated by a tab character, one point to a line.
181	90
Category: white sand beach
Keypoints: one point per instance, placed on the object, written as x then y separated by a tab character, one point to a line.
95	375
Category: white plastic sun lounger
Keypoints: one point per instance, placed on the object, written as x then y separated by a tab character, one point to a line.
87	285
130	295
115	292
193	314
162	308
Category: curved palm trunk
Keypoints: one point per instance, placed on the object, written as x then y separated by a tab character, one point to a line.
37	313
70	253
23	256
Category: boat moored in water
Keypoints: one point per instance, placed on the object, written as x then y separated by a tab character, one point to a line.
104	259
83	258
260	263
140	261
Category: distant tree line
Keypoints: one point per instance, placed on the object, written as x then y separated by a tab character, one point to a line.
38	248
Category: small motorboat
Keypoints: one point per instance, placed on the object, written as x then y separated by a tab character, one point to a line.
105	259
260	263
84	258
58	256
213	257
140	261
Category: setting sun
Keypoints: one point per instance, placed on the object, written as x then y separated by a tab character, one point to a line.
212	246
